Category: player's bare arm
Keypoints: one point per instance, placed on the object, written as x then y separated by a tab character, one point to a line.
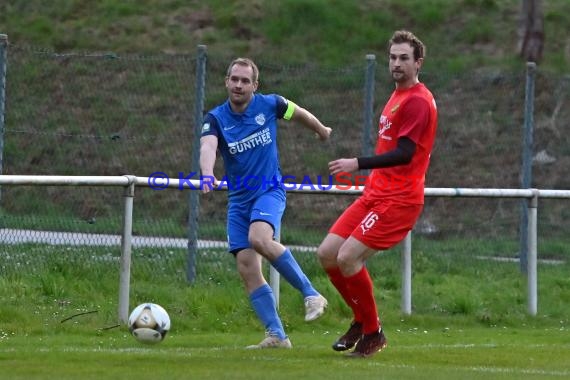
208	149
310	121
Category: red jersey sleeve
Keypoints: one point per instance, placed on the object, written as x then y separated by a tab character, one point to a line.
415	118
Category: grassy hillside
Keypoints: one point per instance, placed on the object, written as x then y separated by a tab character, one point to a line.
460	34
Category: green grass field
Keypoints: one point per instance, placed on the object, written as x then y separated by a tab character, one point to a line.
469	318
412	353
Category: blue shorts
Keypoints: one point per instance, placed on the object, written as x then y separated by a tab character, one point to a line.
268	207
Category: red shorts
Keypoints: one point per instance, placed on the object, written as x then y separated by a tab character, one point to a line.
378	224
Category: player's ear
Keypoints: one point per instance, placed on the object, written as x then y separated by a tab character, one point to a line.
419	64
255	84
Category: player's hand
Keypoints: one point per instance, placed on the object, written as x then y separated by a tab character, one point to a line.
324	133
343	165
208	183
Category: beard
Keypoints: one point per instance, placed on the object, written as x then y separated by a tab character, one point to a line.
399	77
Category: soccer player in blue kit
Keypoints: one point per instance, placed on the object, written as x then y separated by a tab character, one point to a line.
244	130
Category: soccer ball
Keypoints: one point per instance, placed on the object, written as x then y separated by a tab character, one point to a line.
149	323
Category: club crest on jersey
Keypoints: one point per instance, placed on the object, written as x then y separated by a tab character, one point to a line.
260	119
384	125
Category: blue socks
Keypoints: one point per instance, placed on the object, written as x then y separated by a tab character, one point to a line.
288	267
263	303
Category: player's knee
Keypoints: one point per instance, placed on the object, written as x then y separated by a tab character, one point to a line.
329	247
259	243
347	263
327	255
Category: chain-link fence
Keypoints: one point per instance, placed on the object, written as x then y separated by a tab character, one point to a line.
107	114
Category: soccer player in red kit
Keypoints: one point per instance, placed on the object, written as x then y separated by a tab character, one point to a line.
393	195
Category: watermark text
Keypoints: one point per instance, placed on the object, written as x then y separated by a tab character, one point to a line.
340	181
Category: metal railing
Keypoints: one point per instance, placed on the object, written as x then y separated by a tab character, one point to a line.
129	182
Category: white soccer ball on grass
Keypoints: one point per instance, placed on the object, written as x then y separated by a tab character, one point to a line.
149	323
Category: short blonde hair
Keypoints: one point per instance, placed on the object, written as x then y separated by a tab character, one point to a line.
245	62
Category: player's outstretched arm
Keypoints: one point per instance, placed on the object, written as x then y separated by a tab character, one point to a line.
401	155
310	121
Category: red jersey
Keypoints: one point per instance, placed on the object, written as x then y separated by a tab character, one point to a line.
412	113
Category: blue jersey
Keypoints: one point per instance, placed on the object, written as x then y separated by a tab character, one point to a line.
248	144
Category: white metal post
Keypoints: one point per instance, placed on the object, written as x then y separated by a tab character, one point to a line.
126	244
532	253
275	278
406	305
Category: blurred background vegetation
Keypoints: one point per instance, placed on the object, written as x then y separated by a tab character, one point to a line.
460	35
